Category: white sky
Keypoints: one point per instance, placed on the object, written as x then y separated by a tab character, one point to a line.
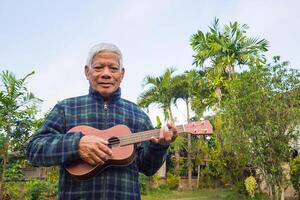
53	38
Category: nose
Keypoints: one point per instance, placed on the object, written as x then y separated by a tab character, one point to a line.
106	73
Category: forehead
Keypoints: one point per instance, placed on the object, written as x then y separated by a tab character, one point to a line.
105	56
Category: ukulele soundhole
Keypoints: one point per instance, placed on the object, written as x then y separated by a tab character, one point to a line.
113	142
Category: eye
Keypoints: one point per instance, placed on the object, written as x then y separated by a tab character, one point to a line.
114	68
97	68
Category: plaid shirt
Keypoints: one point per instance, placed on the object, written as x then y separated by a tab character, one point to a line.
52	146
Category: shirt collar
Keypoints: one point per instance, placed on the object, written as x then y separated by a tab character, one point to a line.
114	97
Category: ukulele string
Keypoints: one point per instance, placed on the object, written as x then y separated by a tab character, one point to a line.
133	138
127	139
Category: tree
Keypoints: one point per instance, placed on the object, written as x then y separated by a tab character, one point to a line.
17	109
261	113
225	49
186	85
159	92
218	52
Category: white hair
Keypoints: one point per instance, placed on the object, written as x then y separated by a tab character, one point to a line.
104	47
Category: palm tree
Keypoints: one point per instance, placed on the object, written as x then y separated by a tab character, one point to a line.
17	110
161	92
184	85
225	49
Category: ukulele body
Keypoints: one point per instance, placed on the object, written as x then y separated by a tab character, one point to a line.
121	155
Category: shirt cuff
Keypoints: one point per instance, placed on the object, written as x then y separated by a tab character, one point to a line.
156	146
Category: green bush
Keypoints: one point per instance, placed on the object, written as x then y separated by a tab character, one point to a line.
14	190
13	171
144	184
250	184
172	181
38	189
295	173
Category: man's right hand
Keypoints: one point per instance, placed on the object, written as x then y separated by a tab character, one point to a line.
94	150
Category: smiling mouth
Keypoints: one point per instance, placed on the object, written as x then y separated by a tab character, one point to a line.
106	84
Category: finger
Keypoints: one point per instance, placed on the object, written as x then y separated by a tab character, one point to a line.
104	148
96	159
99	155
154	140
90	160
168	137
172	128
103	141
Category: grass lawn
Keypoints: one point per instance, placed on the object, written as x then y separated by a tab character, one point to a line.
191	195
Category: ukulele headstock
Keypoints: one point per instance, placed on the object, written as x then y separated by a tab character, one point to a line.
201	127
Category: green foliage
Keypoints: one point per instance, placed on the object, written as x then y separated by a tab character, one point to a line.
13	172
38	190
250	184
158	122
172	181
18	107
30	190
224	50
160	92
295	173
14	190
260	115
144	183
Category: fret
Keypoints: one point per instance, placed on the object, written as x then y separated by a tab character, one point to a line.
143	136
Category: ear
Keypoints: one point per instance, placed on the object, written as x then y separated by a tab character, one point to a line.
123	72
86	71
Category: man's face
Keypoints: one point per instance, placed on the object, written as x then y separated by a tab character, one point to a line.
105	74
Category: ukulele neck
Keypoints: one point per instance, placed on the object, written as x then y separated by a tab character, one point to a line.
143	136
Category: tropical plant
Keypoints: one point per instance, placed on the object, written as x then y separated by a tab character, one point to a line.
17	111
224	49
187	88
160	91
183	91
261	113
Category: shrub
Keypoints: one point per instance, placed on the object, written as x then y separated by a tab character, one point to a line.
38	189
172	181
13	171
250	184
295	173
14	190
144	184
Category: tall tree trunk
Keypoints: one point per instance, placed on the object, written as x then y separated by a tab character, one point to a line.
5	161
177	155
177	163
189	155
163	170
198	176
282	193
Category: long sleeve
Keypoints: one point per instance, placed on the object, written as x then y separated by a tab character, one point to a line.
150	156
51	145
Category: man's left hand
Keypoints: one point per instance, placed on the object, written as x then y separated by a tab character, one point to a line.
168	134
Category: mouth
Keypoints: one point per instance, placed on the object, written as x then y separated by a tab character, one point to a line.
104	84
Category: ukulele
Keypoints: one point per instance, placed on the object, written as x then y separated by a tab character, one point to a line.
121	141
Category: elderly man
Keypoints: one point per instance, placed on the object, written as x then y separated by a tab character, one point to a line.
102	108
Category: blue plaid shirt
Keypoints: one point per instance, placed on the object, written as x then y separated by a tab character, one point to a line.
52	146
